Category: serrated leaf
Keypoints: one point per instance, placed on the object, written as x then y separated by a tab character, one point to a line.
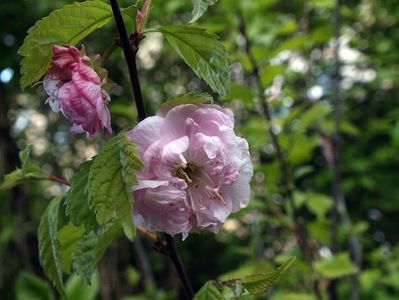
50	254
209	292
68	237
91	248
188	98
77	198
67	25
336	266
257	284
30	287
200	7
110	182
202	51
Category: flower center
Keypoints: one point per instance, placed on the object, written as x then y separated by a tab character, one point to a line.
188	173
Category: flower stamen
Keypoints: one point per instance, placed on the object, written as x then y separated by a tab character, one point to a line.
215	192
181	173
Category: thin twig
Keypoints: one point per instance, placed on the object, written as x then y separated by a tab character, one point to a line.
171	250
299	228
339	208
57	179
130	57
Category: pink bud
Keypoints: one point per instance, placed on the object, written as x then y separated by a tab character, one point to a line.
197	171
74	88
142	16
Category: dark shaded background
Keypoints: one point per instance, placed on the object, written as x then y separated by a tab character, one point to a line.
291	45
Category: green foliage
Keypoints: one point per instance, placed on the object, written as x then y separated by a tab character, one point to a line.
67	25
203	52
189	98
318	204
209	292
76	289
110	182
77	203
50	252
281	35
91	248
200	7
336	266
27	165
68	237
31	287
258	284
27	172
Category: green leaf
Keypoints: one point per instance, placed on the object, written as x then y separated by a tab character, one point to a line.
67	25
31	287
257	284
91	248
318	204
77	198
76	289
200	7
209	292
50	254
68	237
28	171
13	179
202	51
188	98
336	266
110	182
270	72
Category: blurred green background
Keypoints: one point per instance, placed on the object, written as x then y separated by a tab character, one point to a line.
291	48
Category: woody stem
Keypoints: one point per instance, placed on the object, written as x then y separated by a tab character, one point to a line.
130	57
130	51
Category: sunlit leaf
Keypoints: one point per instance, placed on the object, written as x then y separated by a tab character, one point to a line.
202	51
258	284
67	25
200	7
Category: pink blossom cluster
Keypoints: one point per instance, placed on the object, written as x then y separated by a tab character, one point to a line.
74	88
197	171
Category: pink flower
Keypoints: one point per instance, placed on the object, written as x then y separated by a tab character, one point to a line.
197	171
74	88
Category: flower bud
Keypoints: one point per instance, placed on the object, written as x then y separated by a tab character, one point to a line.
74	88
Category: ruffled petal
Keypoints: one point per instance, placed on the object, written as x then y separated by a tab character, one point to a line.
146	133
163	208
